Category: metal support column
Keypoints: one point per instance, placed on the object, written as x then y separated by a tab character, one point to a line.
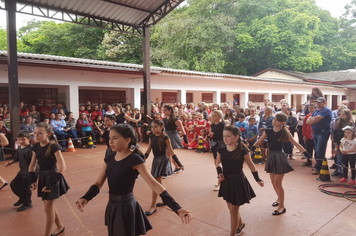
14	97
146	70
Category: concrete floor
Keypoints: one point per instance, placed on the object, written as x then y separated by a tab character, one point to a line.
309	212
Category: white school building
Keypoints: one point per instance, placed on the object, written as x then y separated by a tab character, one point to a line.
75	81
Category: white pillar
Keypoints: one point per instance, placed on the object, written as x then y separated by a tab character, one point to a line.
182	96
135	97
270	97
339	100
289	99
217	96
73	100
329	100
244	103
304	98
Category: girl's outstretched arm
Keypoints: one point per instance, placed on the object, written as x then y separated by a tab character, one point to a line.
95	187
252	167
260	140
160	190
148	150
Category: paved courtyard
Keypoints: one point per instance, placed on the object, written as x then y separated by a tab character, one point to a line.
309	212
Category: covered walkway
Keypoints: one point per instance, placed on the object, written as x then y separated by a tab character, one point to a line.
309	212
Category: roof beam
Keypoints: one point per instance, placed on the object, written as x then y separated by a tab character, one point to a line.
160	12
75	17
128	6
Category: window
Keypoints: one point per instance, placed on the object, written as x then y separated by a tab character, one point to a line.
256	97
169	97
207	97
189	97
277	98
101	96
223	97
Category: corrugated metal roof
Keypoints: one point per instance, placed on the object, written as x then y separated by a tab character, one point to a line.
132	12
80	62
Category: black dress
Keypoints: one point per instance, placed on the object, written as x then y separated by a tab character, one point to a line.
277	161
161	166
48	170
124	215
171	131
235	189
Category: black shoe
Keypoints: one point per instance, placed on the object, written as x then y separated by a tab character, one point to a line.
333	167
304	157
18	203
160	204
276	213
336	173
275	204
148	213
4	185
176	170
24	207
307	164
331	158
62	230
238	232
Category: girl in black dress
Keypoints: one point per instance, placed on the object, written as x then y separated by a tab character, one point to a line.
171	123
161	166
124	216
51	183
216	137
235	188
120	115
277	162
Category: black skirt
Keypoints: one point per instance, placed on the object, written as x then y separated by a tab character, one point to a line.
45	177
236	189
125	217
161	166
277	163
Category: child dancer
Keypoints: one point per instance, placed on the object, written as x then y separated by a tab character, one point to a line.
277	163
216	137
20	184
51	183
124	216
235	188
161	166
348	149
192	138
109	121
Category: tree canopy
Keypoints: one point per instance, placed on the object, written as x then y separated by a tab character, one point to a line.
226	36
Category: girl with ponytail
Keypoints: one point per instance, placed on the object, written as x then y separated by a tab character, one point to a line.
124	215
277	162
51	183
235	188
161	166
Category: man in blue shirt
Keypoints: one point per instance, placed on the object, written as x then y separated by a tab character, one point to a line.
320	121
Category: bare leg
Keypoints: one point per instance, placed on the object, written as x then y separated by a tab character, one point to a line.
139	133
57	221
154	196
50	215
234	218
215	160
277	184
272	175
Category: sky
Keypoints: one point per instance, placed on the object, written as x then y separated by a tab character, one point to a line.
336	8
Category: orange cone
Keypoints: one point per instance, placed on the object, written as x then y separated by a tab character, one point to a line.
71	146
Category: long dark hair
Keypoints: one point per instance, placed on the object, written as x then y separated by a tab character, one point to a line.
172	117
285	134
161	138
240	145
126	131
52	139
